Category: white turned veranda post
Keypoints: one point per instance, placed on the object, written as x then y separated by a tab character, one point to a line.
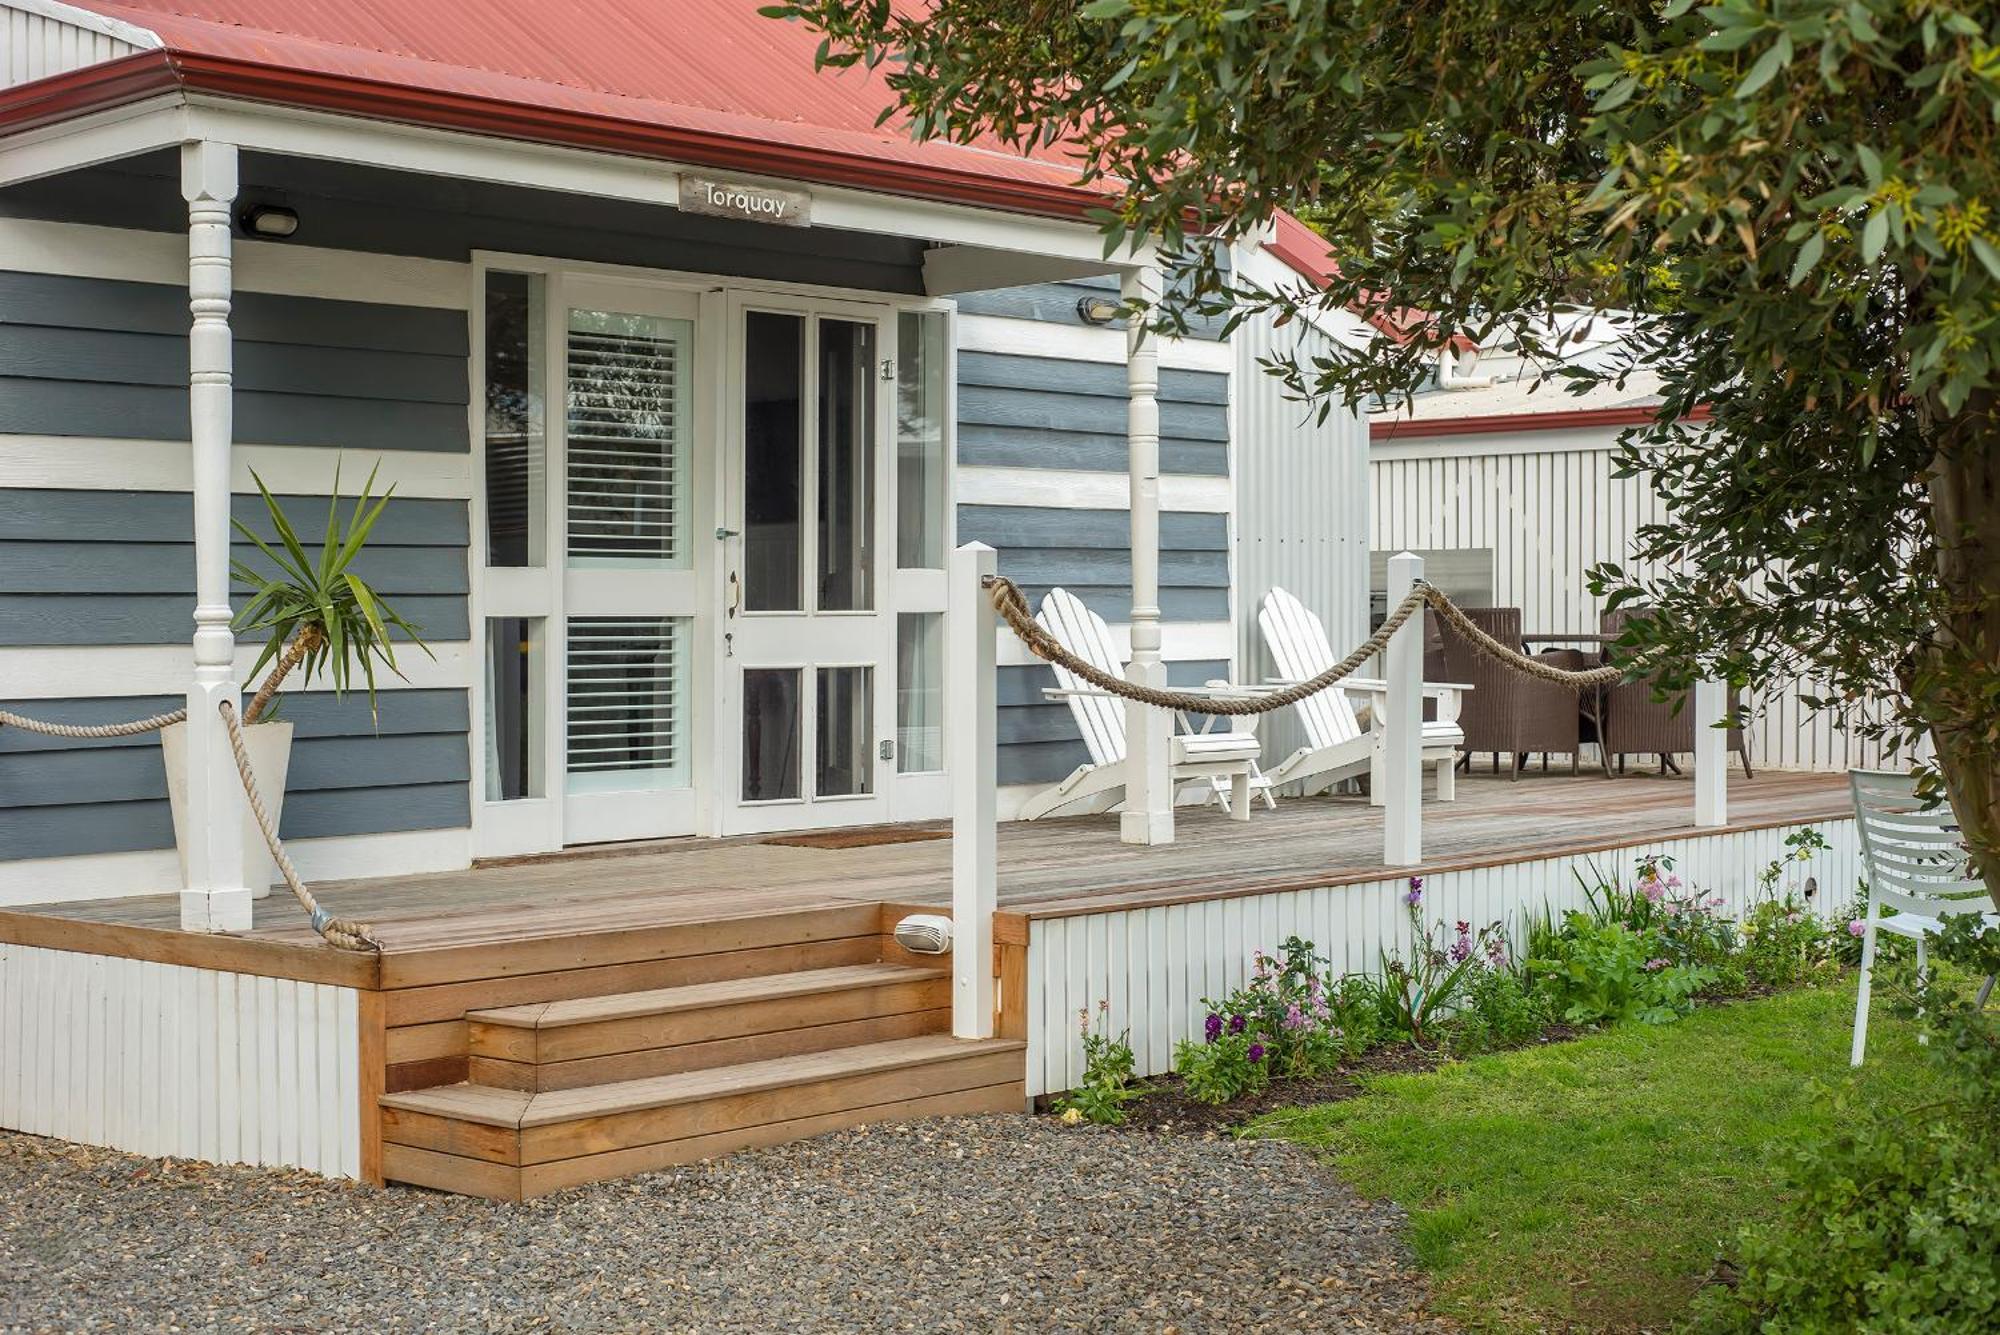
1403	726
972	732
215	899
1148	814
1711	754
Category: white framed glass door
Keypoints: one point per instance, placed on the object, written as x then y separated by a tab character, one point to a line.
626	441
808	668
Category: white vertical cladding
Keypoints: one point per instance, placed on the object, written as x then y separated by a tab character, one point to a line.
163	1059
1301	497
1549	506
44	39
1156	965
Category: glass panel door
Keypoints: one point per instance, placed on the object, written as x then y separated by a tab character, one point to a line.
808	647
628	582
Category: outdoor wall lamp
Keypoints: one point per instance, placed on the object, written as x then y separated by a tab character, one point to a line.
1096	310
270	220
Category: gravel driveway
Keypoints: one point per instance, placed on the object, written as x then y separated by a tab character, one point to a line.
983	1224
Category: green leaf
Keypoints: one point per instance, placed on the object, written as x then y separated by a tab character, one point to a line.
1874	236
1808	256
1107	9
1871	165
1767	66
1988	256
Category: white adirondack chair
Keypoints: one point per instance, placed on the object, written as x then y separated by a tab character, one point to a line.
1337	747
1916	865
1224	763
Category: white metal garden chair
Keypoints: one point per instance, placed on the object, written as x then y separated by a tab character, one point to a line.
1336	746
1223	763
1917	872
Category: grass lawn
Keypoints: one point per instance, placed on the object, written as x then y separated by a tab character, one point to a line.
1592	1183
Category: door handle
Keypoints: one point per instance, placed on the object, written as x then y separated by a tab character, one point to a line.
735	594
725	534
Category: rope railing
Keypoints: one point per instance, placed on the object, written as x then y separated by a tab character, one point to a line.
340	933
1012	606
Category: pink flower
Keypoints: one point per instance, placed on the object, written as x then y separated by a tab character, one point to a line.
1655	965
1857	928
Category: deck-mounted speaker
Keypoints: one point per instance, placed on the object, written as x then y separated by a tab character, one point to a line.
924	934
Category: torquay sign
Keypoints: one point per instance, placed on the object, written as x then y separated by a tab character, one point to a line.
728	199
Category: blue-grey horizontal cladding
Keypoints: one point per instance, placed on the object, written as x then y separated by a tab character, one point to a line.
406	768
1088	552
104	357
351	207
59	300
1044	412
1056	303
1020	526
52	514
1039	741
158	618
1086	451
117	567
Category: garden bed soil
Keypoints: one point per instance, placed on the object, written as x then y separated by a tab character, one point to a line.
1166	1108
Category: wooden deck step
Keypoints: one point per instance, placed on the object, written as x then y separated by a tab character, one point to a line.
603	1040
511	1143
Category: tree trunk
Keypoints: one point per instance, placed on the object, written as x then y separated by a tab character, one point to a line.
308	639
1955	686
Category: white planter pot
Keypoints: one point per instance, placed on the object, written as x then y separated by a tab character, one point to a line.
270	746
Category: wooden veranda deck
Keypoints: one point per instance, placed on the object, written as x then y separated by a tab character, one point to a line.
1051	868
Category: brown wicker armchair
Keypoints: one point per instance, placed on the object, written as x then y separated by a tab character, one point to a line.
1507	712
1637	724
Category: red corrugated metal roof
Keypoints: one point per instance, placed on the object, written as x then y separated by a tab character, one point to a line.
666	77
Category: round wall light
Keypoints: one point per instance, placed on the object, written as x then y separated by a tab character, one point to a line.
1096	310
270	220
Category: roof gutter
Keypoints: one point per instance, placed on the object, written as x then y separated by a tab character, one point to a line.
146	74
1574	419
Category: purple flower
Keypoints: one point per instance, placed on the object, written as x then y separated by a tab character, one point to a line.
1461	950
1236	1023
1294	1017
1652	890
1256	1053
1715	901
1857	928
1496	953
1212	1027
1416	895
1655	965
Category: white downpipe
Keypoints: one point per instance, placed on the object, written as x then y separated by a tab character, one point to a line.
972	732
1148	814
1402	761
1711	754
216	897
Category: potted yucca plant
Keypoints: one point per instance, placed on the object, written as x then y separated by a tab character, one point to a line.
318	618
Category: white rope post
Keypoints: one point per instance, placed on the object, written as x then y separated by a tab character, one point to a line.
1148	813
215	898
1711	754
972	733
1402	767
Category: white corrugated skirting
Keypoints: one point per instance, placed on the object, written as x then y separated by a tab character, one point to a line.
1156	965
162	1059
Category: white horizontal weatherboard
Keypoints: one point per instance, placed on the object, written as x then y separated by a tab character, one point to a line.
31	246
156	871
1082	343
84	671
1181	641
1073	489
81	463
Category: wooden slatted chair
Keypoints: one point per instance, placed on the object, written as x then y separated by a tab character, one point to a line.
1917	872
1338	746
1223	763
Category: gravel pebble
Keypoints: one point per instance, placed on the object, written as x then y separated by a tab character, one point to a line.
949	1224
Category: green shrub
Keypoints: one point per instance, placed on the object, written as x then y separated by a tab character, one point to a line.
1896	1226
1599	971
1785	945
1223	1068
1108	1064
1501	1011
